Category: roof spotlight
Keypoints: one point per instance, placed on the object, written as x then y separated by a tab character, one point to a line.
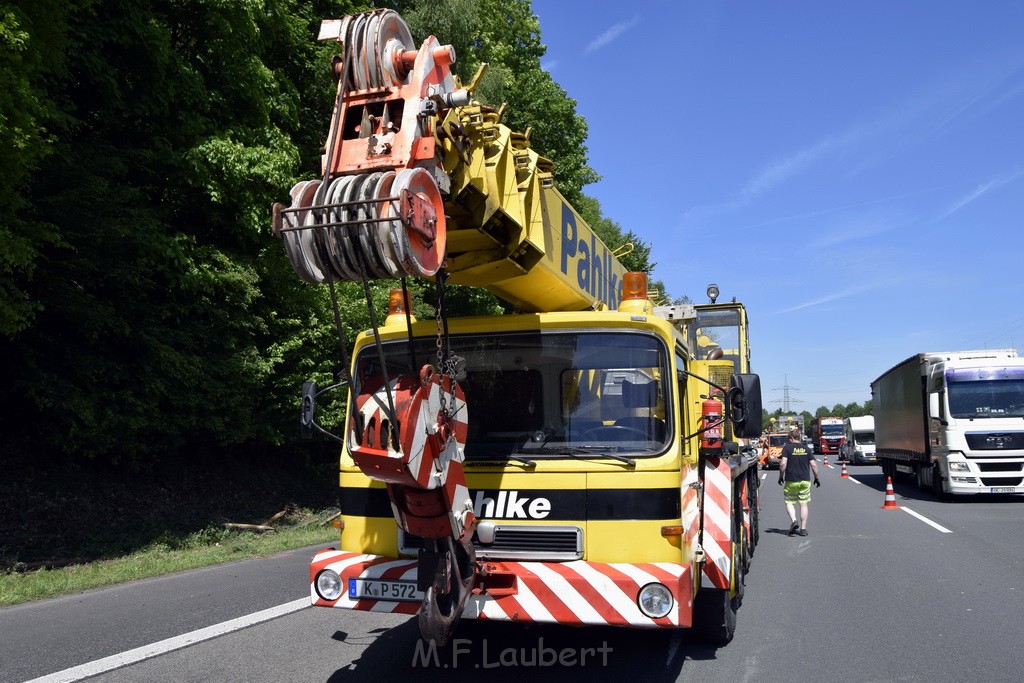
712	292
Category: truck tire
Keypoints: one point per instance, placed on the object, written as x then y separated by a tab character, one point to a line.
741	580
937	484
755	528
714	610
888	468
919	475
714	616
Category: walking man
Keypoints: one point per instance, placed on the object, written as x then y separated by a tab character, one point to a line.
797	464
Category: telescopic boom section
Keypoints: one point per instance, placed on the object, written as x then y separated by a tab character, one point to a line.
509	229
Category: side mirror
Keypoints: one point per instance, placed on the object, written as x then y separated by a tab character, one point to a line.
744	401
934	407
307	414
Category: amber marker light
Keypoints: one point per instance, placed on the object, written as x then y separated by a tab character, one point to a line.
667	531
397	303
634	286
398	307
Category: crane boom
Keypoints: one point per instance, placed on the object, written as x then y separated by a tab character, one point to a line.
510	230
417	174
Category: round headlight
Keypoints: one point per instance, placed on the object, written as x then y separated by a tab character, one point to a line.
328	585
655	600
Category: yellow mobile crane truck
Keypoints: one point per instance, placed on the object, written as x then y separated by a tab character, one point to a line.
575	462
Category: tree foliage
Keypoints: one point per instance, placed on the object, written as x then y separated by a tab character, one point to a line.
155	315
144	308
853	409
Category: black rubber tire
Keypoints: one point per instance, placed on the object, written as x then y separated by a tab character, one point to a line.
714	616
937	484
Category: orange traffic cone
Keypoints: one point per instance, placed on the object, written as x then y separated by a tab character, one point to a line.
826	461
890	496
844	474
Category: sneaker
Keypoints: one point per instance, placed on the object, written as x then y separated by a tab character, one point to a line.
793	528
803	532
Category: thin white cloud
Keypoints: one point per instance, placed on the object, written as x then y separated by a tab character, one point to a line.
962	96
1007	95
897	127
860	226
842	294
549	65
979	191
781	171
822	300
610	35
979	89
773	175
836	209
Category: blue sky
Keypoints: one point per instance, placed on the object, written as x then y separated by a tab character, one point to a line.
852	171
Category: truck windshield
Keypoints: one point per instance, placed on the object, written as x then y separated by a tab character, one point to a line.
864	438
716	334
986	398
549	395
832	430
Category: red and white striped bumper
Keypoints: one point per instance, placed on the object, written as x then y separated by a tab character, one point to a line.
577	593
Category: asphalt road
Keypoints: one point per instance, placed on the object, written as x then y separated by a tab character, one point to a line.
869	595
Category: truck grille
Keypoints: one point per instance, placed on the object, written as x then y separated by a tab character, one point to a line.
1000	481
516	542
1007	467
1002	441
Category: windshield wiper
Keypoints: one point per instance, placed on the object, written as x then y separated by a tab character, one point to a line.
501	460
579	452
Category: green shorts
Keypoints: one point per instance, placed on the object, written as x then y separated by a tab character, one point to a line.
797	492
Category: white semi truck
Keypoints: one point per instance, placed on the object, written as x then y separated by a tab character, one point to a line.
858	440
954	420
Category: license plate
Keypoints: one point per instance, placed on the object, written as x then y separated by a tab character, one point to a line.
380	589
1003	489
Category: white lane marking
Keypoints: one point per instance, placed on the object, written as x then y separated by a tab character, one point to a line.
77	673
926	520
764	476
855	481
915	514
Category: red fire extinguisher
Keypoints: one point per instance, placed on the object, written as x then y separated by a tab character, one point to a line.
711	423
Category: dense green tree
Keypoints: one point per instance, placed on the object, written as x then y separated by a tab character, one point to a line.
32	50
162	319
144	308
849	410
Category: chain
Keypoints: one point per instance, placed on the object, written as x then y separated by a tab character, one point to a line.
444	364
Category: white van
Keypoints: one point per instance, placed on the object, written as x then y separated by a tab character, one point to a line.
859	442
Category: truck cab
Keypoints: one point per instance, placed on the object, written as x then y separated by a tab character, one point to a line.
858	440
771	457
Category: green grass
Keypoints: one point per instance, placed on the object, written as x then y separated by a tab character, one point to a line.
212	545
